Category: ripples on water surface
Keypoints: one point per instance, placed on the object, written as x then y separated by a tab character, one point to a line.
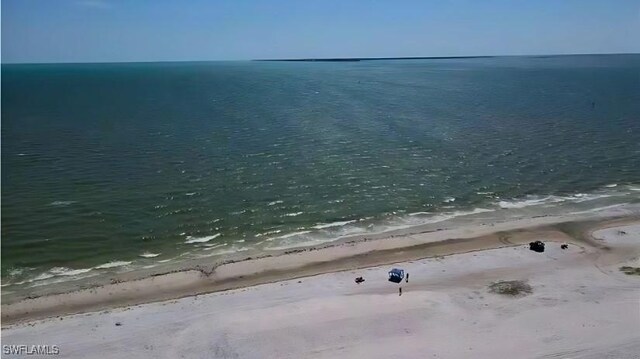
113	166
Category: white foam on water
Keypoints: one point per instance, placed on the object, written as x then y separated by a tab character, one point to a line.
61	203
41	276
59	279
112	264
214	246
431	217
268	233
149	255
284	242
527	202
226	251
449	199
60	273
191	239
611	185
419	213
274	203
293	214
583	197
17	271
333	224
438	217
536	200
63	271
289	235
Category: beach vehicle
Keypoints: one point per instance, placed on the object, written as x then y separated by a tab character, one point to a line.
396	275
536	246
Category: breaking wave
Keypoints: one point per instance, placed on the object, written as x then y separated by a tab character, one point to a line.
191	239
112	264
333	224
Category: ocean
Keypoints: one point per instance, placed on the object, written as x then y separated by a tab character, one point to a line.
110	168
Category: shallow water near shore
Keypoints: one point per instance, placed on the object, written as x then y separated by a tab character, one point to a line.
109	168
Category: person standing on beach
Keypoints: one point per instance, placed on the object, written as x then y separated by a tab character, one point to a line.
407	277
399	291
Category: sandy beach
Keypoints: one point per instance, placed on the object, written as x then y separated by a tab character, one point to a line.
580	305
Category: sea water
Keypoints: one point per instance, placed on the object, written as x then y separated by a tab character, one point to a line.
115	167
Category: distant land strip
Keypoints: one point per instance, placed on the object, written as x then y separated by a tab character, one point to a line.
353	59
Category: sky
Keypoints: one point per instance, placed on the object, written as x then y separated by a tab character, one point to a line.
35	31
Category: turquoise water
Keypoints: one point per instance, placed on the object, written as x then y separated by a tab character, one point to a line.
123	165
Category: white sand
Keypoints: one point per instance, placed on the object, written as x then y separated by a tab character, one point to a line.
582	306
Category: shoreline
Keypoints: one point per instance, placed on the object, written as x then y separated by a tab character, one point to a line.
61	277
349	253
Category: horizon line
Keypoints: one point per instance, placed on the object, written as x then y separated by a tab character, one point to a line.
324	59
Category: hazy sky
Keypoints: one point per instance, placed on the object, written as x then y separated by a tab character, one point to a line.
159	30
